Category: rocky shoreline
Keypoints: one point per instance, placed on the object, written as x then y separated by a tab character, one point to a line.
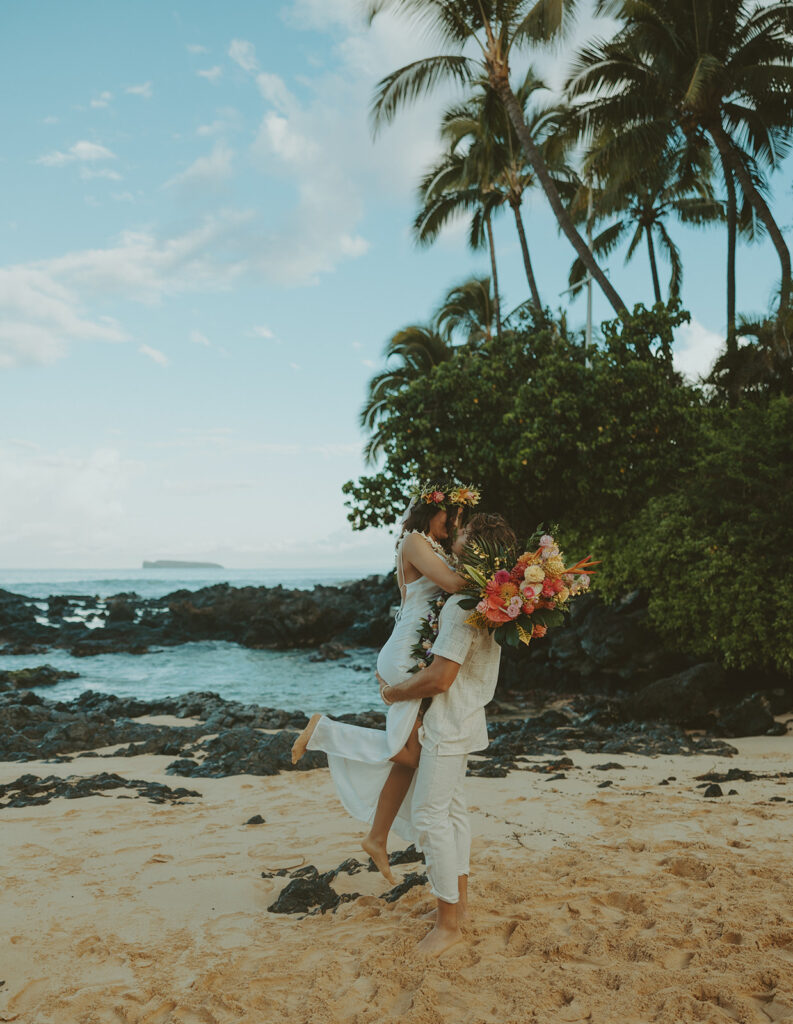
605	651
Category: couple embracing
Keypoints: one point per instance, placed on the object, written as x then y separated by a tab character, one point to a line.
411	777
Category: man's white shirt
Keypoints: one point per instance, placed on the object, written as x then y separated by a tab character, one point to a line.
455	722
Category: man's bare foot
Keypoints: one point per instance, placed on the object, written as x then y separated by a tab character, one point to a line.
438	941
463	916
379	854
300	744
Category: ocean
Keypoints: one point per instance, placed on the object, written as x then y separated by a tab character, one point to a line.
281	679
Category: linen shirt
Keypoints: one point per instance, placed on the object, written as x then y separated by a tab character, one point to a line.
455	722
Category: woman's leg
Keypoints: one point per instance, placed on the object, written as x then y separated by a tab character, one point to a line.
391	796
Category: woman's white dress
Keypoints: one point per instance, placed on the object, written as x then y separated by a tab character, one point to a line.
359	758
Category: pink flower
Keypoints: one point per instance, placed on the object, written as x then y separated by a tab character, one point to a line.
539	630
437	497
513	610
546	541
548	588
482	607
502	576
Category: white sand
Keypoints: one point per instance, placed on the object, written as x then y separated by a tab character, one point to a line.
625	905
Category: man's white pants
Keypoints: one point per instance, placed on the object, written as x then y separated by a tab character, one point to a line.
441	819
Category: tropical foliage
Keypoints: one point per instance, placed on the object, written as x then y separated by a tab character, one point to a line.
679	116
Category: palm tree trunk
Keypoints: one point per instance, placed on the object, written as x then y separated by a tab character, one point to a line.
732	232
499	79
524	248
648	231
494	275
732	161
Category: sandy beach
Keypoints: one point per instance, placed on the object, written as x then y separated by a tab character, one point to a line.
623	904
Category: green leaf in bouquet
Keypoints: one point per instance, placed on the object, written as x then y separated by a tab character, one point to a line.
550	617
476	576
468	602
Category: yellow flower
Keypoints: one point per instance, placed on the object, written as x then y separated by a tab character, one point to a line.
534	574
563	594
554	566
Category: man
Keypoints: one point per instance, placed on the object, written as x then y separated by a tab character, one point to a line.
461	679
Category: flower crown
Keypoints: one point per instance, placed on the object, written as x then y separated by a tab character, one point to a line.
444	497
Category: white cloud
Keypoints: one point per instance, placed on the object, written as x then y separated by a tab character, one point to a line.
123	197
145	268
145	89
102	100
243	53
196	48
369	363
208	170
230	120
87	173
80	151
50	119
263	332
211	74
295	366
274	90
154	354
39	316
200	339
695	349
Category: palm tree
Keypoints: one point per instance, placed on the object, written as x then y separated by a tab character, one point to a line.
641	205
468	310
460	182
417	349
497	28
493	146
717	71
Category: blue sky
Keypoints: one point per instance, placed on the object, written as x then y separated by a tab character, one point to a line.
202	253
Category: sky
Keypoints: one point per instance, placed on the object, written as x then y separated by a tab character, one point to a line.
203	251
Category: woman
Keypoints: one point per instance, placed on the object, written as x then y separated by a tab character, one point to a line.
373	770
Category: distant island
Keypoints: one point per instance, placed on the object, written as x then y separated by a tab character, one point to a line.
169	564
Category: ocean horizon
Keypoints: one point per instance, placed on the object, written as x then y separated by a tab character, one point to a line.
154	583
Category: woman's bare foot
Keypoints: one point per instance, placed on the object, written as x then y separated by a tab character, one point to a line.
379	854
438	941
300	744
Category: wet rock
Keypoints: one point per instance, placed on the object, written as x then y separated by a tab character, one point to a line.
408	856
30	790
409	882
687	698
40	675
752	717
301	894
257	819
329	652
713	790
246	751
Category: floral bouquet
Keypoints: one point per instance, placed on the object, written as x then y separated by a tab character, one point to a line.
520	600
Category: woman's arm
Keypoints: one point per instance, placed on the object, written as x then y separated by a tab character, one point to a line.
417	551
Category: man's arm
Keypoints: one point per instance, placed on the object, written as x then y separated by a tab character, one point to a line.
436	678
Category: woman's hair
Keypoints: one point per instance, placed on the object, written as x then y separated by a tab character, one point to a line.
420	518
492	528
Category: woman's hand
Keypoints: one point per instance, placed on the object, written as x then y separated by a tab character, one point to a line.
383	686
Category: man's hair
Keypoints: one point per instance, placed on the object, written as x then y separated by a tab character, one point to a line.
492	528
